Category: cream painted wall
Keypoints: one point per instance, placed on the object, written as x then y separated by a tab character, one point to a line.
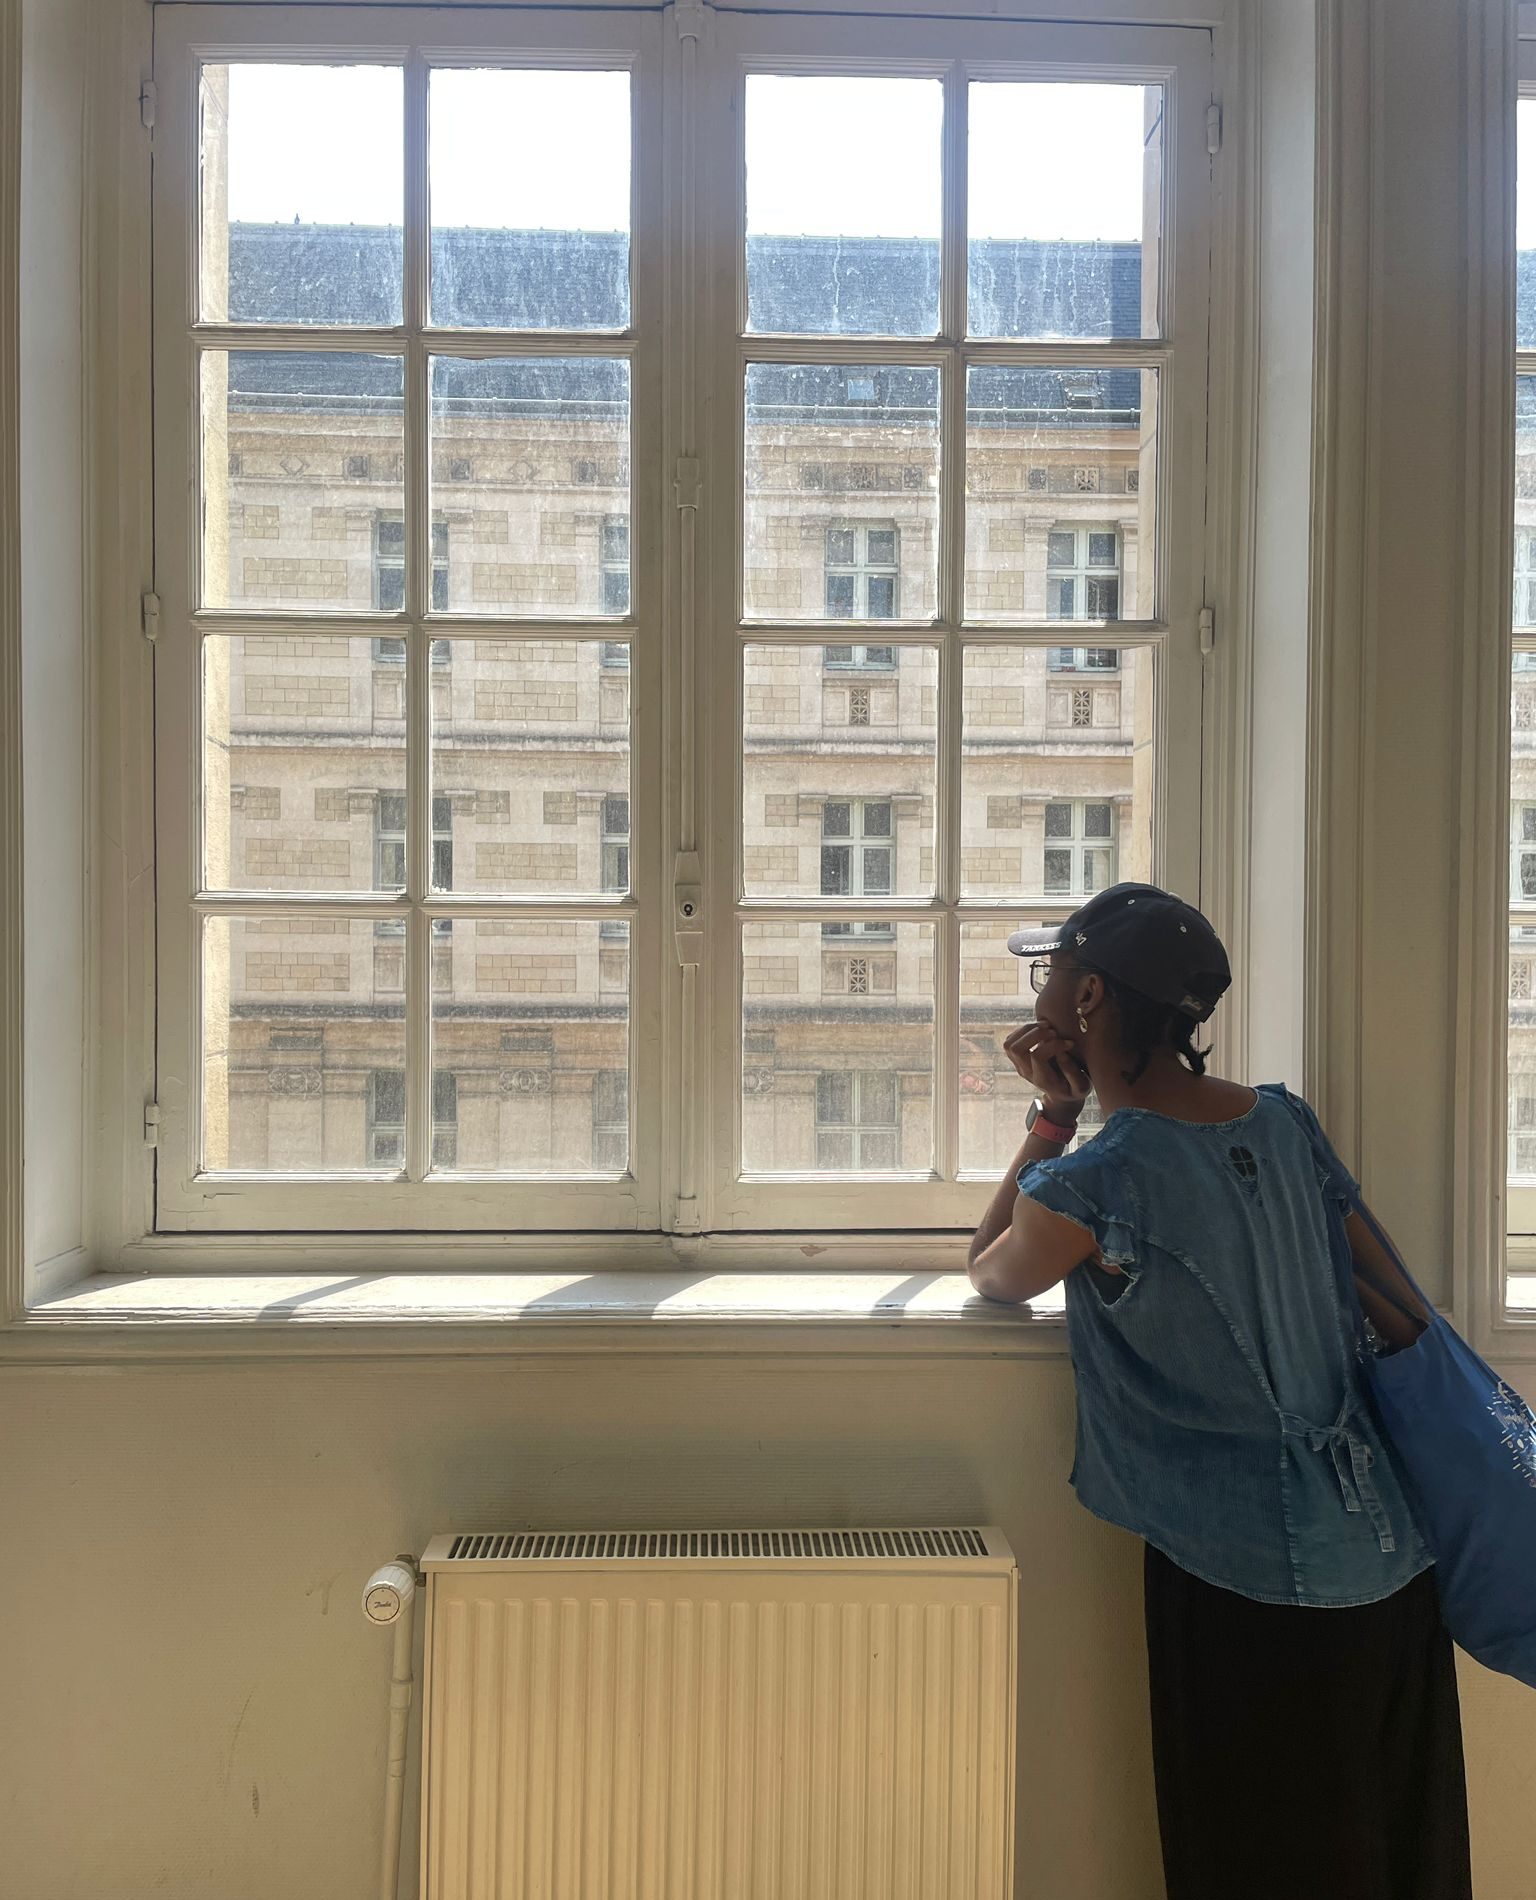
195	1708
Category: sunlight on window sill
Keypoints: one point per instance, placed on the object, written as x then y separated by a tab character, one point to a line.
926	1304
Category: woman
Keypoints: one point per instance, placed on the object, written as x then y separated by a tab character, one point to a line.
1305	1726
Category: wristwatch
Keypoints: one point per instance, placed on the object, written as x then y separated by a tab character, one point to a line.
1036	1122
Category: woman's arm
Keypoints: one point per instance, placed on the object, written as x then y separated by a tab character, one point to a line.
1389	1302
1033	1252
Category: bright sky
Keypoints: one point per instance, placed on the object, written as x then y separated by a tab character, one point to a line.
1525	161
550	150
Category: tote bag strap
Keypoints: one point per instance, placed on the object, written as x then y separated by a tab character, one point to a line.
1354	1274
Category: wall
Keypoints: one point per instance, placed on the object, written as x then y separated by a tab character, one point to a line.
196	1708
52	602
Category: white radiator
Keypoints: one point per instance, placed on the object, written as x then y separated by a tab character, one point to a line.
784	1715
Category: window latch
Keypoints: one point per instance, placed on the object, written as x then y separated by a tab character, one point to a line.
688	907
151	1124
149	616
1207	630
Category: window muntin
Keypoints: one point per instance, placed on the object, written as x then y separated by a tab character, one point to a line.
1078	851
1082	578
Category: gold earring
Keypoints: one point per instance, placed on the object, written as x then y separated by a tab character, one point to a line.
1082	1024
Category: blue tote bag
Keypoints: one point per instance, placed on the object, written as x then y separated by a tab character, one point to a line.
1466	1445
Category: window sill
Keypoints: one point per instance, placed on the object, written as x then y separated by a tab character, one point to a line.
340	1313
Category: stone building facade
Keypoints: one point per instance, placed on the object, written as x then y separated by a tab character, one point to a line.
305	750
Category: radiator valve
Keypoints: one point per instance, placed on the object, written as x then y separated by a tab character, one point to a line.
388	1590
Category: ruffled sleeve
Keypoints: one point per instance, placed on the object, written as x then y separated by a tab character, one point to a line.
1082	1189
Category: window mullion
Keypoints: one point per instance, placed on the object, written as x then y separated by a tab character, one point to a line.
418	595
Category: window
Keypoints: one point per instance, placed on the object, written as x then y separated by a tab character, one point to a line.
857	853
389	583
614	553
434	396
615	849
1083	572
1525	577
389	854
858	1129
1082	659
1079	847
610	1121
863	571
386	1119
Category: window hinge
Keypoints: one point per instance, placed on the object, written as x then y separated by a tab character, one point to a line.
149	98
1213	128
149	616
688	905
1207	629
685	482
151	1124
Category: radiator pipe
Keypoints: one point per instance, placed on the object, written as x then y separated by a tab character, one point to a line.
389	1598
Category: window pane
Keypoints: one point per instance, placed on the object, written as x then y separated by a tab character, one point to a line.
838	1050
841	241
1042	795
813	456
1064	209
530	749
302	453
303	764
882	597
1082	444
518	242
298	1012
811	774
842	596
532	455
532	1019
302	170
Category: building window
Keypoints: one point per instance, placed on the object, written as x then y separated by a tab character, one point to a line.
857	1127
389	584
610	1121
386	1119
1522	854
857	858
863	571
614	550
389	856
1082	573
859	659
615	853
1082	659
1079	847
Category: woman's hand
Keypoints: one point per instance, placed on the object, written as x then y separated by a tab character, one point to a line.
1049	1064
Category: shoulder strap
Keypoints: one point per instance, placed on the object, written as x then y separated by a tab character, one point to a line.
1325	1160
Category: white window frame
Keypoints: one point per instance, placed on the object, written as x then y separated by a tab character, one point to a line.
684	1175
943	1196
187	1197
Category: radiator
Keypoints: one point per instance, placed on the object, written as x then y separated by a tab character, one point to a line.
785	1715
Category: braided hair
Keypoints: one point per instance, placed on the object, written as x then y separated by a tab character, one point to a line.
1147	1027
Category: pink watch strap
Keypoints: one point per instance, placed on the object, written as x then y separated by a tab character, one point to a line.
1053	1131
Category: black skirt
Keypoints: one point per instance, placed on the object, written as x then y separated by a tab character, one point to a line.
1305	1754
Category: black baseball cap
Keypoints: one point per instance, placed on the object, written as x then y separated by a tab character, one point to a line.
1147	939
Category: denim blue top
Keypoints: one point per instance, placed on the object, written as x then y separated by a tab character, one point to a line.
1222	1413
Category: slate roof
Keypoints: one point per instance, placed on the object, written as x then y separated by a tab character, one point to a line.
578	281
